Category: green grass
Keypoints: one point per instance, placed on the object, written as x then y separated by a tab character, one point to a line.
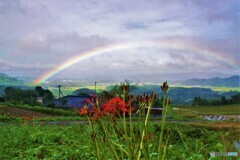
217	89
40	142
221	110
190	141
74	142
61	118
225	89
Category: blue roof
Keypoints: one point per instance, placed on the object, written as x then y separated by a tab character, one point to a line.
71	101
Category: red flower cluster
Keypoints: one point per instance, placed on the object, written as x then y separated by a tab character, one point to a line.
83	111
26	118
150	136
114	106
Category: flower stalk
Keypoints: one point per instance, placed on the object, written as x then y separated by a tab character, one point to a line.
115	118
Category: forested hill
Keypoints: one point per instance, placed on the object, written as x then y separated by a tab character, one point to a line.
181	95
233	81
7	80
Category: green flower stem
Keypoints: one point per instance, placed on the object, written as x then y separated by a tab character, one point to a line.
118	144
144	130
113	153
131	127
94	138
127	138
180	134
164	112
121	148
165	147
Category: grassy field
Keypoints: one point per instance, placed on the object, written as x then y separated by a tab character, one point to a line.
188	140
74	142
11	112
219	110
217	89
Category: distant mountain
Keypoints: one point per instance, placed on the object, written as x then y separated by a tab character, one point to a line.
83	92
181	95
8	80
233	81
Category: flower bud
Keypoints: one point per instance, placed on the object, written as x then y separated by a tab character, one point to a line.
153	96
164	87
130	96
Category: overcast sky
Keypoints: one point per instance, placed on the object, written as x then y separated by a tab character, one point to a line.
38	35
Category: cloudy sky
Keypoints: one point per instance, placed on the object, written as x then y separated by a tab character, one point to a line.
201	38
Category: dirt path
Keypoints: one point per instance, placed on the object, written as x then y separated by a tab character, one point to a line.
17	112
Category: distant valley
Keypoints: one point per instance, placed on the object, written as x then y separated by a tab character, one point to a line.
233	81
182	93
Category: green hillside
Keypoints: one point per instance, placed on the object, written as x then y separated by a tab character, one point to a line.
8	80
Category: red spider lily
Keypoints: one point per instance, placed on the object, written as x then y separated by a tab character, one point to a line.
144	138
83	111
164	87
109	108
96	116
95	113
114	105
150	136
89	101
27	118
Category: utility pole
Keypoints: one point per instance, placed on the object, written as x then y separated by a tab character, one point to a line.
59	90
95	88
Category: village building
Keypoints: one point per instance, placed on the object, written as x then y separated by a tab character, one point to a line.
154	111
71	101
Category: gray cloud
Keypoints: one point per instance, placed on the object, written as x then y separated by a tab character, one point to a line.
42	34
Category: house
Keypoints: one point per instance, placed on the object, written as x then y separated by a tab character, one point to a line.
154	111
40	100
71	101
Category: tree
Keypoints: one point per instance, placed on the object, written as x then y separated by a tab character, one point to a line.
105	96
1	100
224	100
18	95
158	102
236	99
46	94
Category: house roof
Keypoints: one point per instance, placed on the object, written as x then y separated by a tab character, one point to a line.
71	101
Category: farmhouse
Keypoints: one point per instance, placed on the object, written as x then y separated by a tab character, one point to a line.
155	111
71	101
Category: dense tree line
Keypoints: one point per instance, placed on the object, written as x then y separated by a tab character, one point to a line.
45	93
198	101
12	94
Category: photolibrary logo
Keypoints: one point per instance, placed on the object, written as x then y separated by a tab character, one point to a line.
212	154
225	154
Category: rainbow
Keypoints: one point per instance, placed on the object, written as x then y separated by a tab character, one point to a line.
176	45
